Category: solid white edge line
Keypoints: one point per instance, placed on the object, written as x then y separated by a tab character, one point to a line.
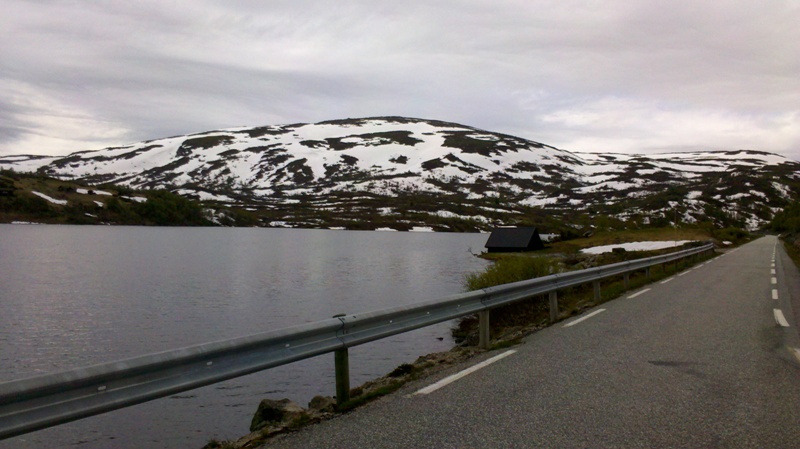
780	318
450	379
774	294
639	293
584	318
667	280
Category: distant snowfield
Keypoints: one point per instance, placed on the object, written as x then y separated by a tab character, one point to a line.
50	199
635	246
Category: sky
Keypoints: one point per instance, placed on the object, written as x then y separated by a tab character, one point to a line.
586	76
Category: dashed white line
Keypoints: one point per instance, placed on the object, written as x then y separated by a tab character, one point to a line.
682	273
667	280
774	281
780	318
774	294
772	271
639	293
796	353
572	323
450	379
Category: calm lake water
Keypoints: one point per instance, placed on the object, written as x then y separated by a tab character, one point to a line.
72	296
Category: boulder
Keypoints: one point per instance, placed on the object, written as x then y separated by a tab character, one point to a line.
271	412
322	404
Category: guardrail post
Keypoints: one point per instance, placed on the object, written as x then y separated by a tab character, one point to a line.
342	366
647	272
626	278
483	329
553	307
596	285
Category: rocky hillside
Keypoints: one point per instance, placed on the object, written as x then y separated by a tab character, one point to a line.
402	173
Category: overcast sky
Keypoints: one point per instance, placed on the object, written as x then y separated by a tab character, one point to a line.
597	76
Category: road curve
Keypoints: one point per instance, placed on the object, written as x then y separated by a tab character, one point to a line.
708	358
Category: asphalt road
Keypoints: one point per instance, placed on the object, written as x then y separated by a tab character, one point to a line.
696	361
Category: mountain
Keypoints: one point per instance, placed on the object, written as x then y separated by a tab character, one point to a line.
401	173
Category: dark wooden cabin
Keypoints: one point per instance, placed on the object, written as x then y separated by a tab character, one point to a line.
509	240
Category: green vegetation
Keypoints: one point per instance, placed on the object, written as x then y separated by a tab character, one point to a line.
74	203
163	208
512	268
787	223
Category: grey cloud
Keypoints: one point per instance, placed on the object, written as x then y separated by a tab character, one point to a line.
620	74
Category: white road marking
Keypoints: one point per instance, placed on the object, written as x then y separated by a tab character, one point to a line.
639	293
667	280
572	323
682	273
774	281
450	379
780	318
796	353
774	294
772	271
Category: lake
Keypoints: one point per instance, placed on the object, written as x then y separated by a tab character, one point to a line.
73	296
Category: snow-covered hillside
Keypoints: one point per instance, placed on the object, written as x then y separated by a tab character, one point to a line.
406	169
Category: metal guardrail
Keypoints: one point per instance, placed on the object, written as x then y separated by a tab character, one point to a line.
45	401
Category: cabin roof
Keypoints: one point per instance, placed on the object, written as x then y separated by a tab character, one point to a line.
514	238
